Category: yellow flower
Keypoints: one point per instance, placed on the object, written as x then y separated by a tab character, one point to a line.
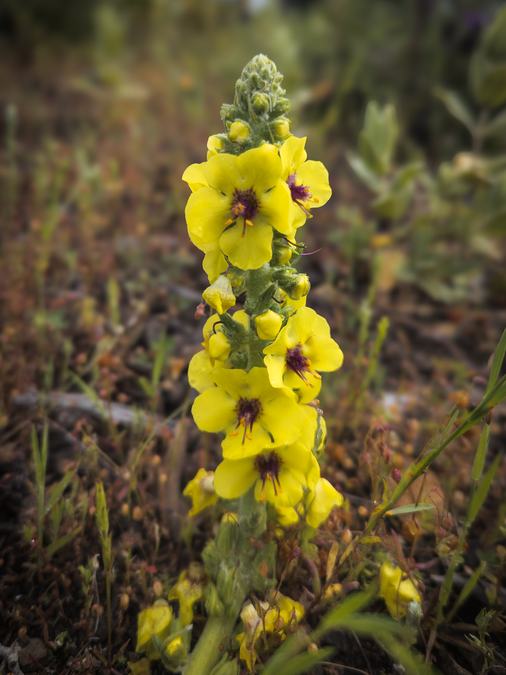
219	295
397	592
153	622
201	491
268	324
321	501
234	213
279	476
276	617
302	349
308	180
187	591
253	415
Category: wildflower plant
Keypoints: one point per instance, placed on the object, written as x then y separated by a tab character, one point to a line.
259	372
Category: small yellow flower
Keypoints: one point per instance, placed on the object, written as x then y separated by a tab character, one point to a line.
201	491
219	295
279	476
301	350
253	414
396	591
233	214
308	180
187	591
268	324
153	622
321	501
239	131
276	617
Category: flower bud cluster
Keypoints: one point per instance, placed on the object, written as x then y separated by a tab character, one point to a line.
259	372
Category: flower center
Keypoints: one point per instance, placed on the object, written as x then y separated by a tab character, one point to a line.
268	467
244	205
300	193
248	410
296	361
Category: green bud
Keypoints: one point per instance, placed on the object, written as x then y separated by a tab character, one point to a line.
260	102
281	128
300	287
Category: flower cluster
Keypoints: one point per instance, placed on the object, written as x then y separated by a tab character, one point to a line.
259	372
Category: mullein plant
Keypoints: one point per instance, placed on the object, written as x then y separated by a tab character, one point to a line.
258	377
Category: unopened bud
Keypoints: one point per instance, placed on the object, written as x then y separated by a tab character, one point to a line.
175	648
218	346
214	145
300	287
268	324
239	132
284	255
219	295
281	128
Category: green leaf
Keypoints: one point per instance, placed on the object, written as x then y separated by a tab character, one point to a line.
378	138
456	107
363	171
496	126
303	663
57	490
481	453
61	542
467	589
409	508
481	491
497	361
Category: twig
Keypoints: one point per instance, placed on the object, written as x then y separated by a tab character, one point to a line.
117	413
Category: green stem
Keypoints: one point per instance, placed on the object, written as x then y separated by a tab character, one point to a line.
210	645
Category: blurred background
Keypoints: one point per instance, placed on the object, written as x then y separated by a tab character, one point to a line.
102	105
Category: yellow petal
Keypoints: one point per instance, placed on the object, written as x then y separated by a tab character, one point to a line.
240	443
276	367
195	177
259	168
325	498
233	478
214	264
275	209
214	410
220	171
315	177
206	213
247	247
200	371
292	155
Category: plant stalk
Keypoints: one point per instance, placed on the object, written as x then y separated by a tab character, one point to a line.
210	645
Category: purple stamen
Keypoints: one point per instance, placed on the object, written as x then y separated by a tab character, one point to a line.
268	467
248	410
